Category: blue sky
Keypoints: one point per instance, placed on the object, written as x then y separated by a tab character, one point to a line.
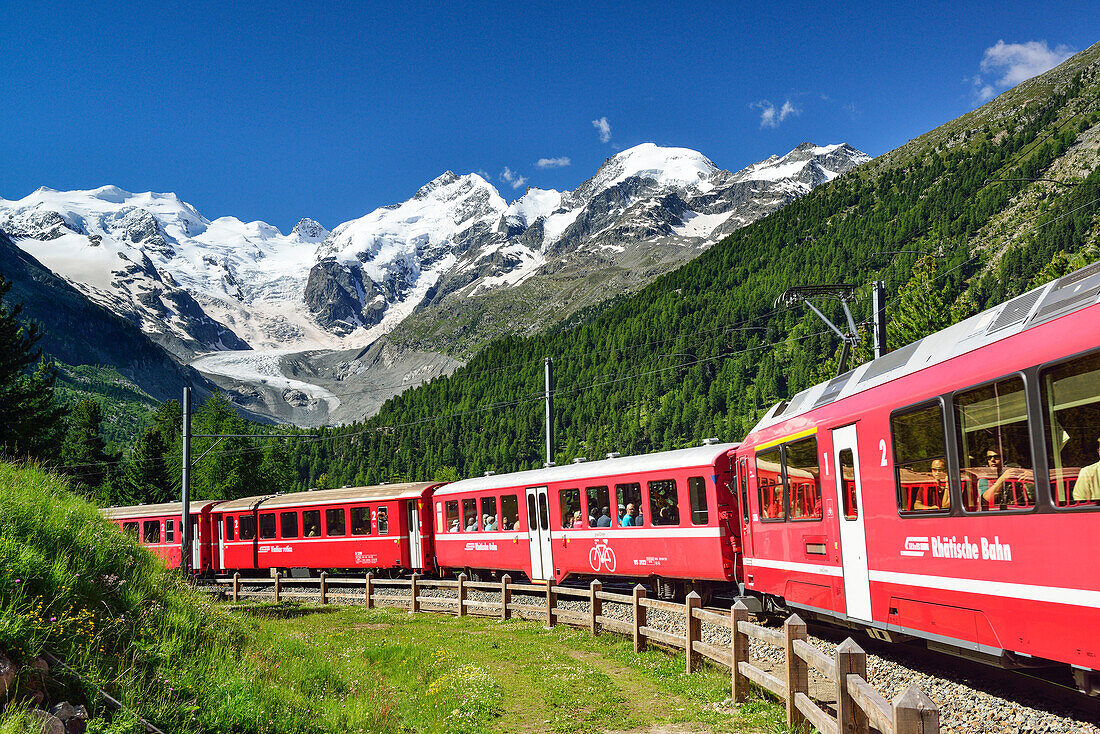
279	111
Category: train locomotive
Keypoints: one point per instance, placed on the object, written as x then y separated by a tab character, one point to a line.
945	492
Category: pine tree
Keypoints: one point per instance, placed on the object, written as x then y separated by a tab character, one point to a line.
150	475
30	420
923	306
84	452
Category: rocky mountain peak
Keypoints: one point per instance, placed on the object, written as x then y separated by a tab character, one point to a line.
309	230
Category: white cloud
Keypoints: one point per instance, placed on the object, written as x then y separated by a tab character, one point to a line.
561	162
604	128
512	178
1012	63
770	116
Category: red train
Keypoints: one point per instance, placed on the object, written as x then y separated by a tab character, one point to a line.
160	529
943	492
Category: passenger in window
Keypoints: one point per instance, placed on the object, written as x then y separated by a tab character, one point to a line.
1087	488
996	494
940	498
578	522
604	520
630	518
454	526
471	524
488	522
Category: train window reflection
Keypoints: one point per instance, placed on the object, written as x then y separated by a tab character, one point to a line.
488	513
630	504
509	513
334	521
848	484
453	523
769	480
469	515
599	507
570	503
360	521
664	506
288	522
130	527
152	531
995	447
697	492
267	526
248	527
311	524
803	479
229	527
169	531
383	520
1071	404
920	460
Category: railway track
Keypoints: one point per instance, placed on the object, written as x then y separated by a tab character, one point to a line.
972	698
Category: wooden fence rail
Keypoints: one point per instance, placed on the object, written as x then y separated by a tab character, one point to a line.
858	705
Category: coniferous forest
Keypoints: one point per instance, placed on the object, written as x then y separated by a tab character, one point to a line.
701	352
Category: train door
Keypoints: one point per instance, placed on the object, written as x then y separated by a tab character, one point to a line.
741	467
219	523
538	523
853	535
415	555
196	546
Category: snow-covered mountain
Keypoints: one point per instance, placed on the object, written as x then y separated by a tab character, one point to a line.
455	248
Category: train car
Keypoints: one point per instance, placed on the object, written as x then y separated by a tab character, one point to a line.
381	527
570	521
160	529
947	491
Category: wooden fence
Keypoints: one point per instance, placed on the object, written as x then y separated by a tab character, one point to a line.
859	707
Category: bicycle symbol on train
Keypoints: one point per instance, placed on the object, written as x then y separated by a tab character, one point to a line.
601	556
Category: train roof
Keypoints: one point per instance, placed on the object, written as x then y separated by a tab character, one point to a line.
405	490
1073	292
157	510
696	456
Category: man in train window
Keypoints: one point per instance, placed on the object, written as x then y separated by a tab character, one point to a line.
939	498
996	492
1087	488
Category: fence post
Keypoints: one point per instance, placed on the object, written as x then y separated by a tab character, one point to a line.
797	671
691	630
462	595
915	713
595	606
324	587
550	602
850	660
639	618
370	590
739	644
278	586
505	597
414	606
237	586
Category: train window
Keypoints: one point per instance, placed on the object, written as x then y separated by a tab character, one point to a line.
509	513
803	479
920	460
334	521
848	484
769	480
130	527
383	520
169	531
360	521
995	446
570	501
544	512
151	532
697	492
599	506
248	527
267	526
469	514
288	524
664	505
451	516
630	504
489	513
229	527
532	512
1071	404
311	524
